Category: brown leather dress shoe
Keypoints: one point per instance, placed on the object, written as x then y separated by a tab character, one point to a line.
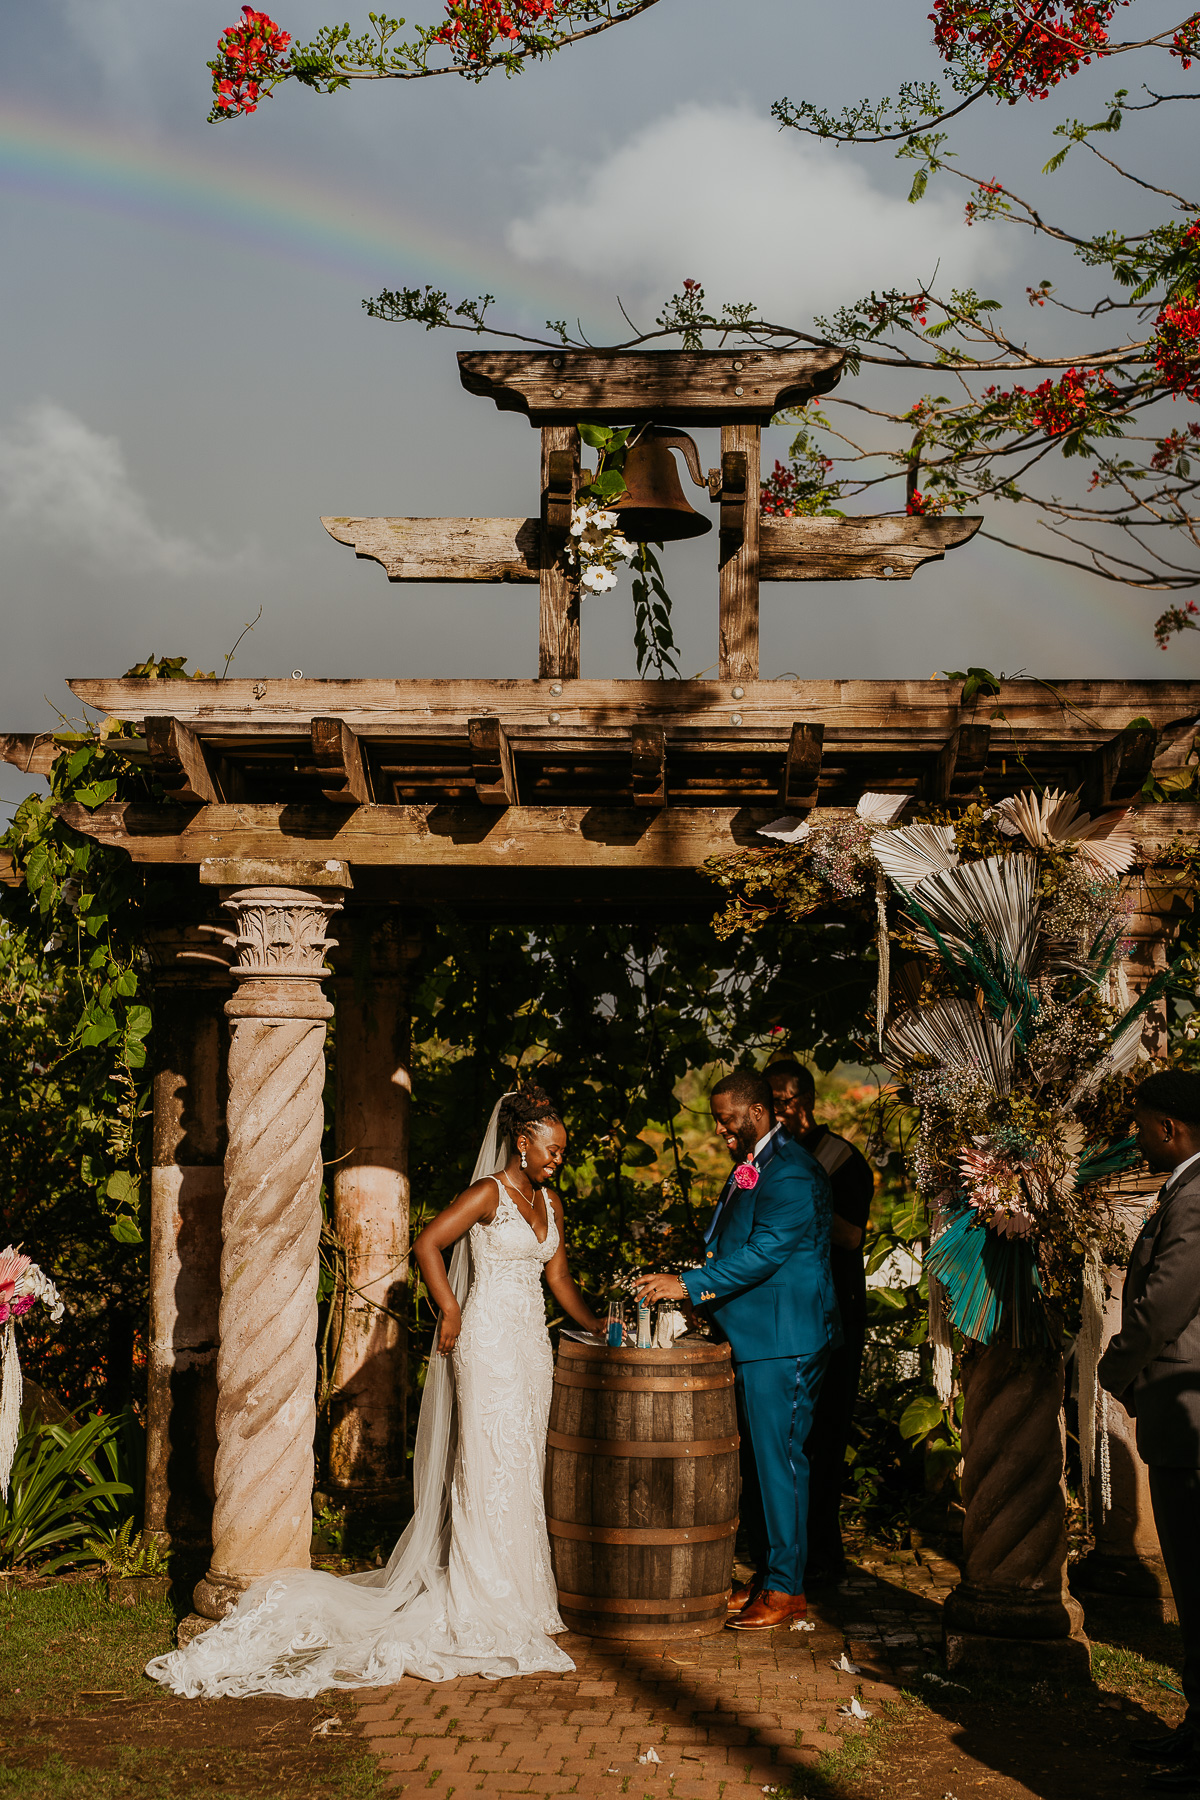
743	1594
768	1610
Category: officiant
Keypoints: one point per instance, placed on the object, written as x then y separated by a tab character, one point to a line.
853	1189
1152	1366
767	1287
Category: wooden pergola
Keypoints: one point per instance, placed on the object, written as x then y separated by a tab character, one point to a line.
295	800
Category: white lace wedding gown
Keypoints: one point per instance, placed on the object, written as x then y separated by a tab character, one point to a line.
469	1588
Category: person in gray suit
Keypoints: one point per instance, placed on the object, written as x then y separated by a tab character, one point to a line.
1153	1367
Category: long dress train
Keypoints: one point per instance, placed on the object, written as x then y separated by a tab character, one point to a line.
469	1588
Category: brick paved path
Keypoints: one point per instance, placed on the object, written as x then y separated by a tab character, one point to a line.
729	1716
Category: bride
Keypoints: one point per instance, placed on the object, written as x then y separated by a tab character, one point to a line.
468	1590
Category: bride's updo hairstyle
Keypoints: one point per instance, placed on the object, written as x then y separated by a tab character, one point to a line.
528	1109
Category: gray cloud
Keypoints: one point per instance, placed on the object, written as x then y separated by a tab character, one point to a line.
68	486
755	213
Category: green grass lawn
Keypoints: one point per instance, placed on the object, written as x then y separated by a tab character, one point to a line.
79	1717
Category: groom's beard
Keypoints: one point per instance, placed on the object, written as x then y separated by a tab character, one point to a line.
746	1137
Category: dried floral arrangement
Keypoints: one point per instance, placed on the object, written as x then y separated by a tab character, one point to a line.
1002	1011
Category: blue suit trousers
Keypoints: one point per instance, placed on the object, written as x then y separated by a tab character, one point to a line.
775	1401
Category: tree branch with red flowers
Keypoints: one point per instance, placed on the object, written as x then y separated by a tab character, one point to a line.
476	37
1081	435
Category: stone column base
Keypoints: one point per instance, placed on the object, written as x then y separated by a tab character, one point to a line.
191	1626
1130	1577
216	1595
1012	1614
1063	1660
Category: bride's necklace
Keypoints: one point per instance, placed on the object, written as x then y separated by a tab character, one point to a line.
520	1199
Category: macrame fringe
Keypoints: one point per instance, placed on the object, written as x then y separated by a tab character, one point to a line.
884	946
10	1404
939	1322
1087	1358
1105	1459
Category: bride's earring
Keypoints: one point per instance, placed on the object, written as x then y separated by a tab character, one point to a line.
524	1162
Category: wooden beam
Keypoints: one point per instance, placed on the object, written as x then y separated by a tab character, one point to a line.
33	752
338	756
962	758
739	559
881	548
491	754
445	549
178	761
649	757
454	837
559	837
1066	712
558	620
802	766
684	387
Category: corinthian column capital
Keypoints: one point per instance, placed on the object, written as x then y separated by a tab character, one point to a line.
281	945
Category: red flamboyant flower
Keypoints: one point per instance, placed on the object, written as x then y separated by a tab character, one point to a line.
1175	445
1055	407
1021	51
477	25
1177	347
1186	42
249	54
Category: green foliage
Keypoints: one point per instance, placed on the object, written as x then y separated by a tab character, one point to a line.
121	1555
60	1114
975	681
65	1483
78	927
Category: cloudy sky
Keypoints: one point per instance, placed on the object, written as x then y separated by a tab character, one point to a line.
189	379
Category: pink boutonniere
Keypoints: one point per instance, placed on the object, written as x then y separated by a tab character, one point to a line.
746	1175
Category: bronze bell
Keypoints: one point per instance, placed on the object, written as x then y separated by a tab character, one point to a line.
653	509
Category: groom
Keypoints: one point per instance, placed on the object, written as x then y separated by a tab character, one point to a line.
767	1287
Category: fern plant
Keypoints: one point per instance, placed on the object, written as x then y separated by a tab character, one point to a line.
122	1555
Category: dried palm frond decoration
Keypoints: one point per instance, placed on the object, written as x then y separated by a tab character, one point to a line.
1016	1053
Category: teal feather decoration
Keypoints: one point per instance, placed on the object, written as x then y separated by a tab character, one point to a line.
990	1281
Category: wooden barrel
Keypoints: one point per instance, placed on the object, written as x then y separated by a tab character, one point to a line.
642	1488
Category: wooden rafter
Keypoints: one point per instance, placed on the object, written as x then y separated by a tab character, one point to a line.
338	757
492	762
177	757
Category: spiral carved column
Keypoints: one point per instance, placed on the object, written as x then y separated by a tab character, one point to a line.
1012	1607
271	1226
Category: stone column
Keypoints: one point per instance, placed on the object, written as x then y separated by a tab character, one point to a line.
367	1462
187	1184
267	1364
1012	1612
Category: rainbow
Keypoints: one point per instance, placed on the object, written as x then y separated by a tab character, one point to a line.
258	210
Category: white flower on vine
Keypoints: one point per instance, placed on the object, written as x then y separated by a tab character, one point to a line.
597	579
605	521
624	549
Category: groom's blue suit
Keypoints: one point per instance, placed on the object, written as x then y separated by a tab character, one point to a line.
766	1285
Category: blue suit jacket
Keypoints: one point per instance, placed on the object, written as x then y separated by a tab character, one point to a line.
766	1283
